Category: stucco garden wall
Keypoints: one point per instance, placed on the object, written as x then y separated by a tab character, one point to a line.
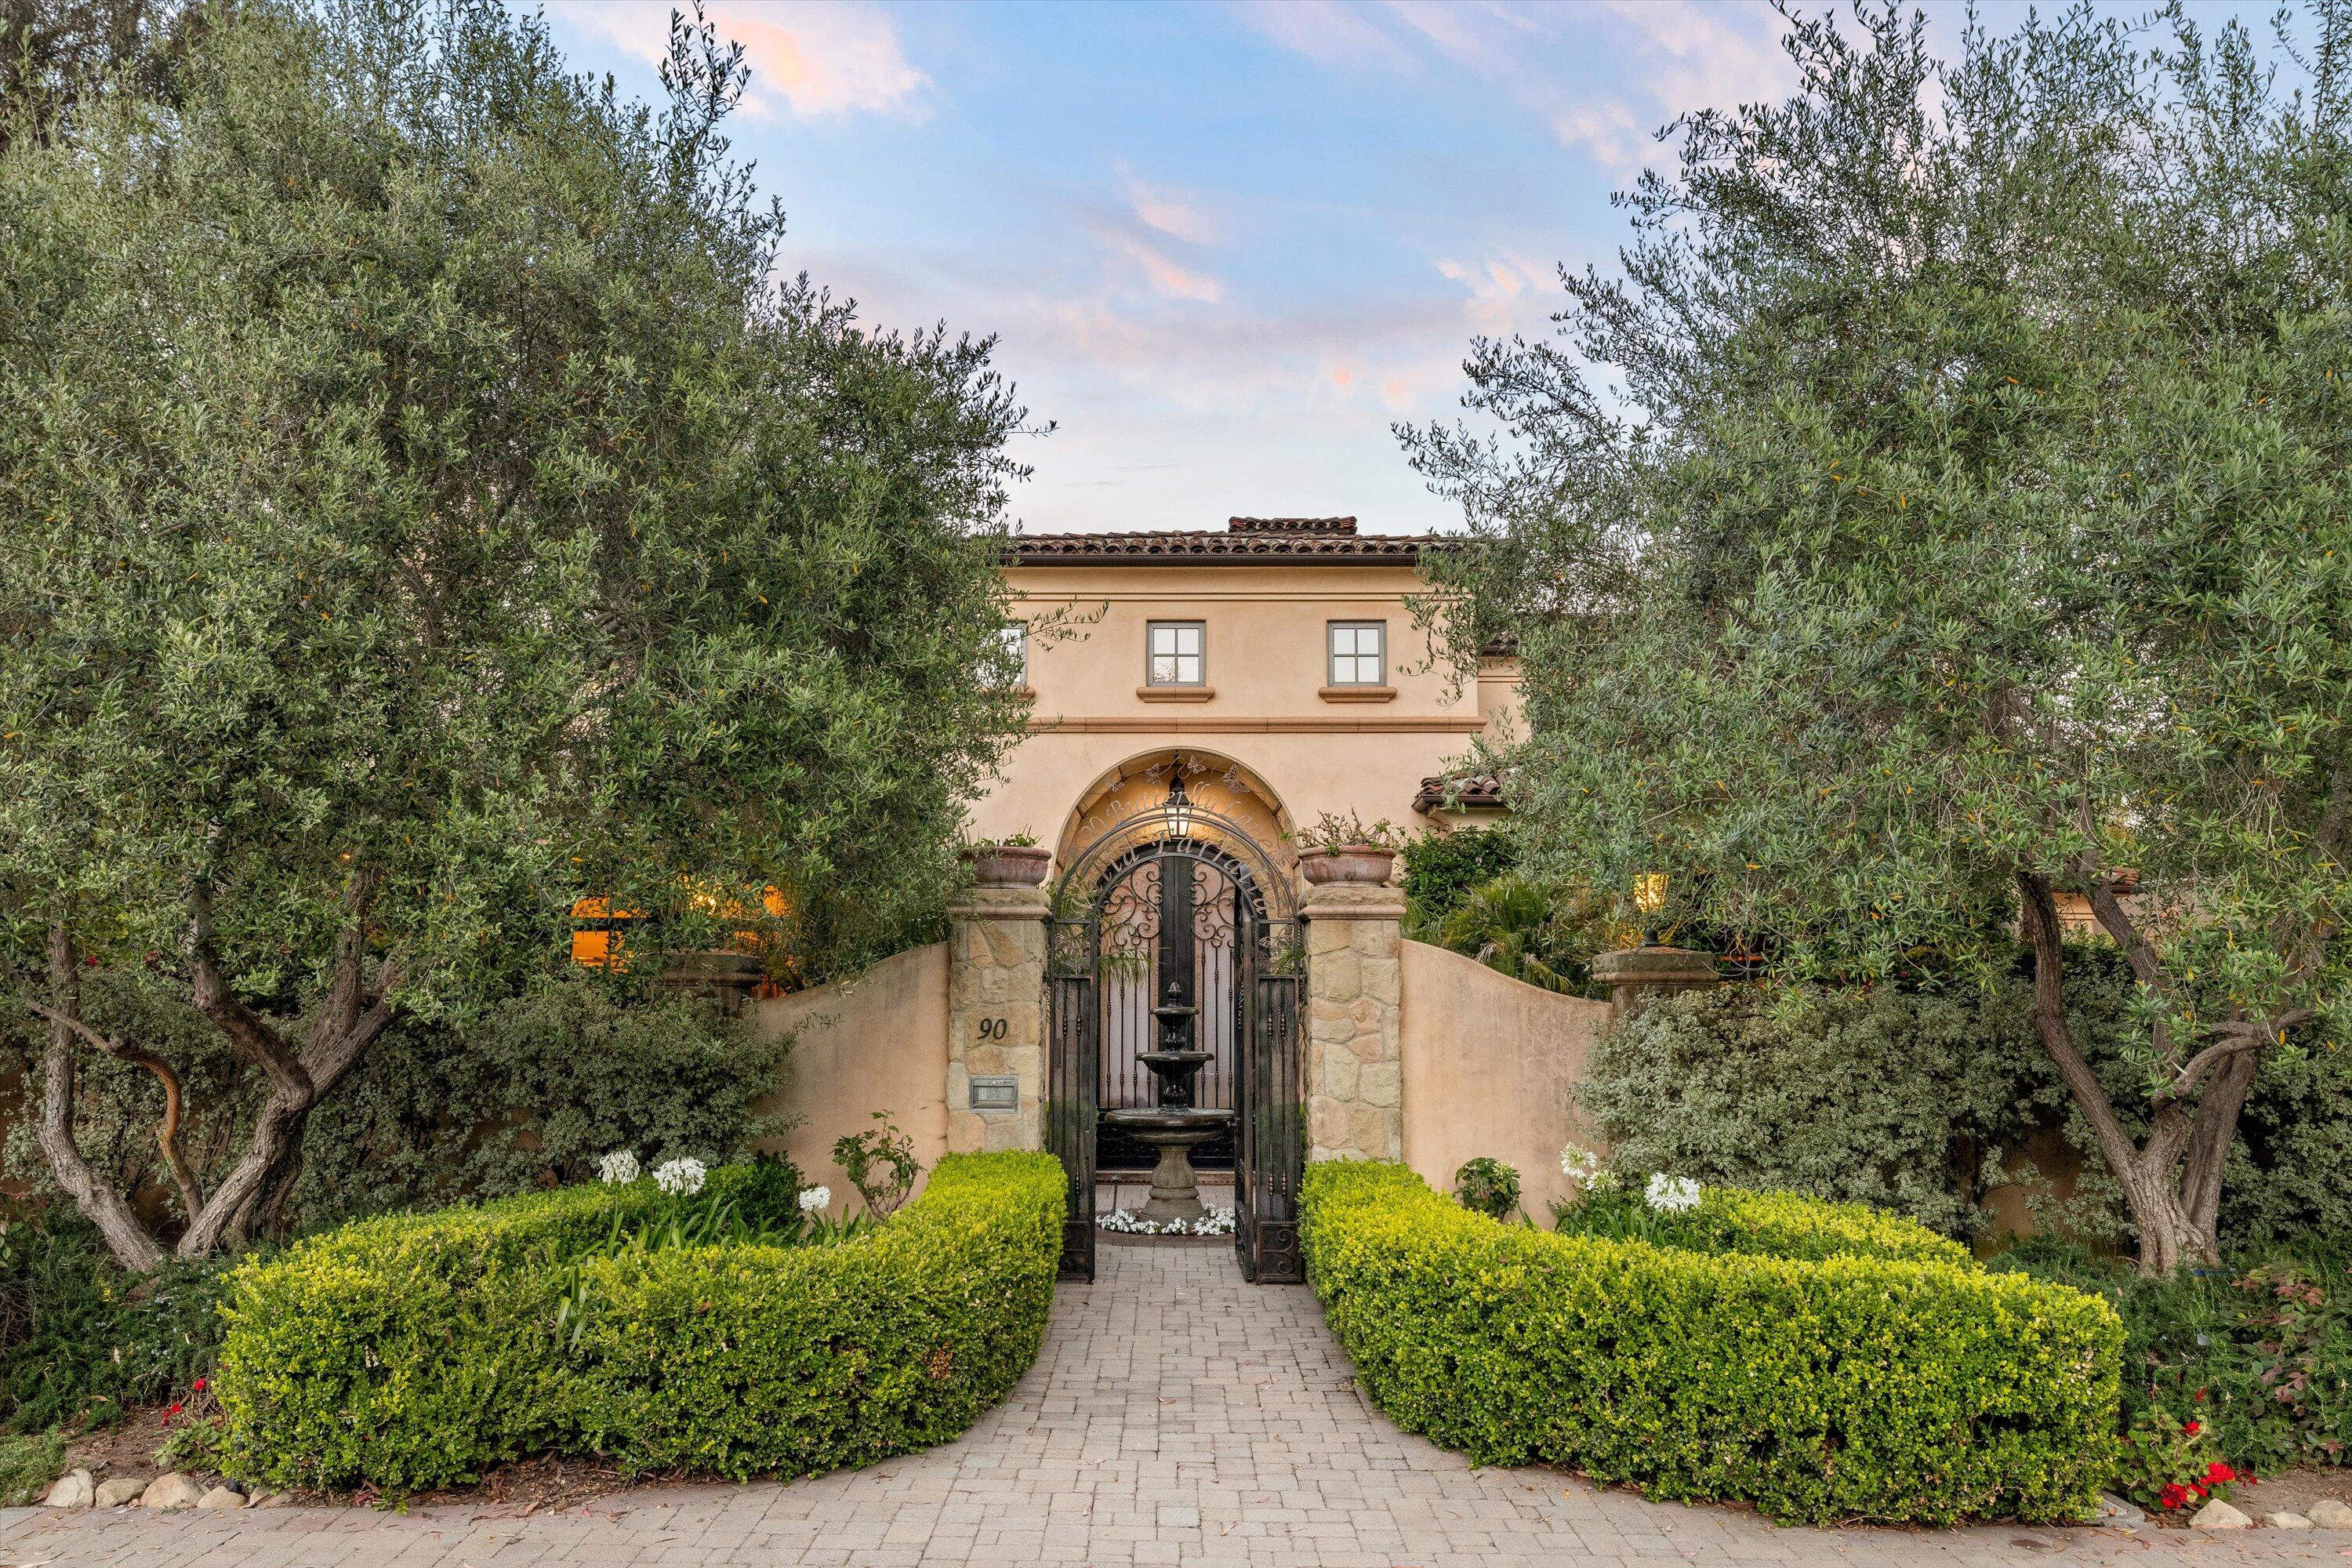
1491	1065
876	1041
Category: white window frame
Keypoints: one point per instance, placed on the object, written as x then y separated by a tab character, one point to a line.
1015	638
1199	655
1346	667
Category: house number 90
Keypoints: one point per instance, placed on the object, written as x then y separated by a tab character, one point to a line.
994	1029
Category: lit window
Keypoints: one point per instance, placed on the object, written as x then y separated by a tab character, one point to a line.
1176	653
1359	653
1014	640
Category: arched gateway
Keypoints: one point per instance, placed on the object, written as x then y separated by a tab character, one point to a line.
1173	930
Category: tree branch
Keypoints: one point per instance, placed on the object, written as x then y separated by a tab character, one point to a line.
167	1131
231	1016
128	1240
2039	916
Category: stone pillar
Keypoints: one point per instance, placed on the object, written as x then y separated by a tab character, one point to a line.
996	1015
1355	1062
1635	975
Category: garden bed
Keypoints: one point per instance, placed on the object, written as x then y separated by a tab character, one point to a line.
1873	1379
422	1351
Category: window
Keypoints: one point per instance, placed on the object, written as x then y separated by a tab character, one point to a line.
1176	653
1359	653
1014	640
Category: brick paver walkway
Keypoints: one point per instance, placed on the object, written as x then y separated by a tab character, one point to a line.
1176	1416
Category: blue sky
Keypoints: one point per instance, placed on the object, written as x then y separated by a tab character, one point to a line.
1225	245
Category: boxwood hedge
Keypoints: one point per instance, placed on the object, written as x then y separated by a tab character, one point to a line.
414	1352
1838	1385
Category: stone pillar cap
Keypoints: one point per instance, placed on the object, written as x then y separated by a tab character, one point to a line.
1637	965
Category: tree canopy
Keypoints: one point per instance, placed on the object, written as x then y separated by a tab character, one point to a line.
428	502
1947	510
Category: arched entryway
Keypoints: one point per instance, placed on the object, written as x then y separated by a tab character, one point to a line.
1175	926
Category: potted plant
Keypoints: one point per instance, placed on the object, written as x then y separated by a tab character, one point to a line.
1011	861
1346	849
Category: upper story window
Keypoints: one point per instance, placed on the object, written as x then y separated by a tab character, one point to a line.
1014	640
1176	653
1359	653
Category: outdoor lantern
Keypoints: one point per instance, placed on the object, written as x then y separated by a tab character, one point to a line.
1650	896
1180	805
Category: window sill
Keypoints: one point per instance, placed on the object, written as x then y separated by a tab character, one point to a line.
1174	693
1357	693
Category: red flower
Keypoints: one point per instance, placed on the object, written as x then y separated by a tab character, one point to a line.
2218	1472
2198	1396
2190	1428
2172	1496
199	1385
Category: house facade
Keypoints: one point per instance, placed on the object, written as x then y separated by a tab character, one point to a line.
1280	658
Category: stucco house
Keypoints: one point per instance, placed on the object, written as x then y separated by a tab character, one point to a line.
1280	654
1196	700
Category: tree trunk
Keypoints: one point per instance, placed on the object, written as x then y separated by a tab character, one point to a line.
2176	1218
108	1210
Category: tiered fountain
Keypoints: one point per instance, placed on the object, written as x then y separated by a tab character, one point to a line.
1175	1126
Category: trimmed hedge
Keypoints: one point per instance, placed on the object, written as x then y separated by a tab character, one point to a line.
1788	1224
1839	1387
415	1352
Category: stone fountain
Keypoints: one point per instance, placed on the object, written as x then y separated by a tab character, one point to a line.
1175	1126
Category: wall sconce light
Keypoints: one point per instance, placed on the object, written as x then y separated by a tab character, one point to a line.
1649	898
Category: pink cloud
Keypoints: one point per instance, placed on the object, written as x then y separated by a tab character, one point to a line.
823	58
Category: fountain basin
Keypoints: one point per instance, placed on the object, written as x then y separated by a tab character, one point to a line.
1173	1130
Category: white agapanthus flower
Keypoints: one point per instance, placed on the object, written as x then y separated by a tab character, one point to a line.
815	1198
618	1168
1579	1165
681	1178
1672	1194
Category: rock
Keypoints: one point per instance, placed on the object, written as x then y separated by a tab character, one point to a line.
2329	1515
2286	1521
2116	1513
2219	1515
271	1500
221	1497
73	1489
170	1492
121	1492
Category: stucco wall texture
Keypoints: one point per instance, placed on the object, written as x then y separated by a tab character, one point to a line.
876	1041
1491	1065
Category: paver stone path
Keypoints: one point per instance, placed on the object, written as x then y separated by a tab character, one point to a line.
1176	1415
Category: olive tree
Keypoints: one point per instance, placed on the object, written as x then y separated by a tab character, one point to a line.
1946	510
423	502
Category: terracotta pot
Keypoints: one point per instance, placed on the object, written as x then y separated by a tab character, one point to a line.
1364	864
1007	865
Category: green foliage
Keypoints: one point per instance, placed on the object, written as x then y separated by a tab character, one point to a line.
1903	1099
419	1351
2259	1353
1440	868
1947	539
1488	1186
1769	1224
533	1095
427	500
880	1163
1847	1387
28	1463
2166	1464
81	1341
1542	933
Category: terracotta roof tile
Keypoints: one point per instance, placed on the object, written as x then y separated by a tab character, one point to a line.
1455	791
1247	541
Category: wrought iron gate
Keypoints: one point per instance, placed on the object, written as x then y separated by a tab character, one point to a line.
1179	906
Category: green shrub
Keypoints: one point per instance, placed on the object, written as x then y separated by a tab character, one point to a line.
1847	1387
2258	1353
417	1352
1488	1186
81	1340
1439	868
28	1463
1774	1225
